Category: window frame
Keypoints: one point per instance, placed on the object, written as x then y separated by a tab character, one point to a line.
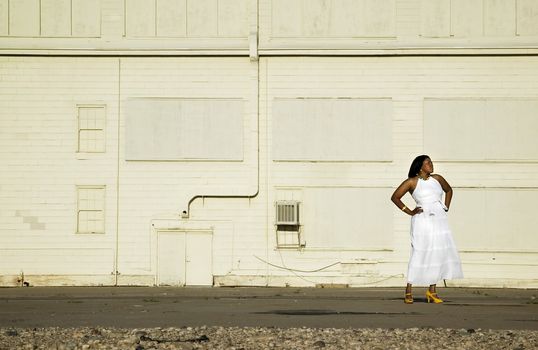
78	108
78	210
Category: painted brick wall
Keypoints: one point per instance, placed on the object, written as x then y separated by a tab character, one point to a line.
40	168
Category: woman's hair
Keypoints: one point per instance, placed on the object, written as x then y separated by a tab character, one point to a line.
416	165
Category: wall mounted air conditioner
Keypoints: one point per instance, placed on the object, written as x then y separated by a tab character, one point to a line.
287	213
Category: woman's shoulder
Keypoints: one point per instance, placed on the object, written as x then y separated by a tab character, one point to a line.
437	177
412	182
413	179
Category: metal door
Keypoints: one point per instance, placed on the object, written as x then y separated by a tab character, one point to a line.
184	258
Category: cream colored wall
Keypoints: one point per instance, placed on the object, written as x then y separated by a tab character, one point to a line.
40	167
152	192
407	26
284	26
126	25
484	231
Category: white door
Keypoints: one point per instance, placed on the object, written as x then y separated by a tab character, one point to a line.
171	258
184	258
199	270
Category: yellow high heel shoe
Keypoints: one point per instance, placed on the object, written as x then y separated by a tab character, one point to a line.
408	298
433	297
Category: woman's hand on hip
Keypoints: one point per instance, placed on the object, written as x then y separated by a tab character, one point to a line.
416	211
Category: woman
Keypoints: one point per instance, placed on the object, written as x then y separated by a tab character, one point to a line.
433	252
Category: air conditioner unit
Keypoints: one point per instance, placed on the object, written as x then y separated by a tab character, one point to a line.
287	213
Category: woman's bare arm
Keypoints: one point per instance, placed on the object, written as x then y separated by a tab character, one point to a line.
446	188
396	198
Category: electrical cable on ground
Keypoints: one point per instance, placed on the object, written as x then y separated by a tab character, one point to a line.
287	268
317	270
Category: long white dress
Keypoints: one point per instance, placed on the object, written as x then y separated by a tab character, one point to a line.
433	252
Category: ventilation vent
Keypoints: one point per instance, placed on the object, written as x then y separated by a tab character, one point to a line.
287	213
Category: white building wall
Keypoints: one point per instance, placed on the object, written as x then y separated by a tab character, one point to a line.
484	235
41	168
153	190
350	232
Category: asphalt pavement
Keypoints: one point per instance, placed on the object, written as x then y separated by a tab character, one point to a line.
134	307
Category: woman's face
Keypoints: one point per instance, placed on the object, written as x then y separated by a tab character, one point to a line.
427	166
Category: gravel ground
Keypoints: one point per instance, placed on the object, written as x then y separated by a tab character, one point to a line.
265	338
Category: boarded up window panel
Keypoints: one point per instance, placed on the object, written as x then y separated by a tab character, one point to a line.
378	18
481	130
527	17
4	17
183	129
338	130
467	18
86	18
512	129
140	18
56	18
233	18
344	15
325	18
316	16
202	18
451	128
24	18
435	18
286	18
477	226
336	218
172	18
500	17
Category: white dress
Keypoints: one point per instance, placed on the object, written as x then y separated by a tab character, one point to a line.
433	252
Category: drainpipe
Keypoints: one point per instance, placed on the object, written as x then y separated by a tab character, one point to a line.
254	57
116	254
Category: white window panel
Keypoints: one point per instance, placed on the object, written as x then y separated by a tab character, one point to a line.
24	18
285	18
91	128
500	17
90	209
508	129
511	129
4	17
478	225
378	18
467	18
527	17
202	18
435	18
448	120
326	18
338	129
140	18
348	218
56	18
171	18
344	18
316	18
233	18
183	129
86	18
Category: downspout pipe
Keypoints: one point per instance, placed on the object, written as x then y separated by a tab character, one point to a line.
116	254
254	57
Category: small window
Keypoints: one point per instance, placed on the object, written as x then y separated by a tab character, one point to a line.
90	209
91	129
